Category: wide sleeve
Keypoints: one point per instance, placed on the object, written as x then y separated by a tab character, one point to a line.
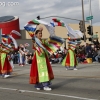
37	49
52	44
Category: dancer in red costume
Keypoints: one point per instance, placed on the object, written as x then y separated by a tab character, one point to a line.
5	66
41	72
7	47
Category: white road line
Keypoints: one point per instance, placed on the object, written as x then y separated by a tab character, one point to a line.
60	95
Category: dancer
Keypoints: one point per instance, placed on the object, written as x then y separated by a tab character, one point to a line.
21	55
41	72
5	49
5	66
70	60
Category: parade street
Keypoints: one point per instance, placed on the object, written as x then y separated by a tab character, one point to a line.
81	84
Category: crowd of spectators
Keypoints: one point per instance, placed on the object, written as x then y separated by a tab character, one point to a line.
27	56
82	53
89	51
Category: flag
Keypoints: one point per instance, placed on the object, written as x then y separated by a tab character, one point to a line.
34	22
30	28
71	32
48	26
79	33
57	22
50	29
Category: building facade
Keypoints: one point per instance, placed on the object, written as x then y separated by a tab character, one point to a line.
59	31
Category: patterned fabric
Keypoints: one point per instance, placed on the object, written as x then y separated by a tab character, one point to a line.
3	57
5	67
54	42
57	22
34	22
70	59
5	49
41	70
30	28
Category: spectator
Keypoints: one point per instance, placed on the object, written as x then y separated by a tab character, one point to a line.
15	58
98	56
94	54
88	48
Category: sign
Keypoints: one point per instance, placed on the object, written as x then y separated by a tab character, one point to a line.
95	36
89	18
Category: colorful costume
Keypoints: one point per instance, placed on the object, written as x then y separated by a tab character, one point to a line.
21	56
70	60
5	49
5	67
41	72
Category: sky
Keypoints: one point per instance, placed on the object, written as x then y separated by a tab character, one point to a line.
28	10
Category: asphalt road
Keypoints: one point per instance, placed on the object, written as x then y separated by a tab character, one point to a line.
83	84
